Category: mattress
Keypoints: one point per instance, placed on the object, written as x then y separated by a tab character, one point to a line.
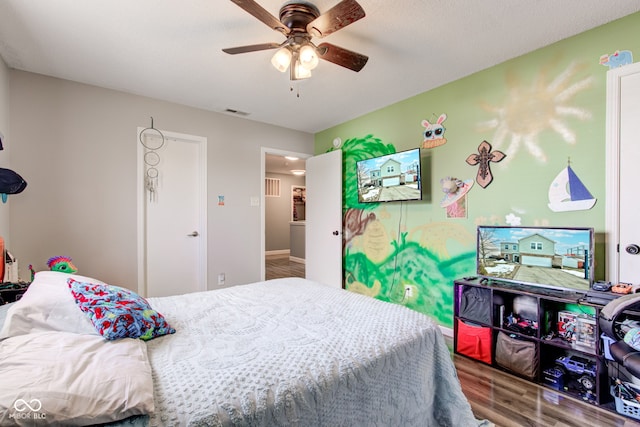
291	352
294	352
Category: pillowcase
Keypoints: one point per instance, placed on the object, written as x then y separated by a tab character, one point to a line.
47	305
118	312
72	379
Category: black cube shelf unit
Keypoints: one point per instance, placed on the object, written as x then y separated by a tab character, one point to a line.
546	336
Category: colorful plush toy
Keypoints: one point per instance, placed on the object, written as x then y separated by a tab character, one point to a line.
62	264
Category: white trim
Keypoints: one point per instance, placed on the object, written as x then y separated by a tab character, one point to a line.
447	332
263	158
202	208
278	252
612	214
296	259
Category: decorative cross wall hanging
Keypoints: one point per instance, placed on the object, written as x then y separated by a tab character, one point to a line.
483	158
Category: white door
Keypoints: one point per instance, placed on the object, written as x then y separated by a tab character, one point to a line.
537	261
174	239
323	247
623	150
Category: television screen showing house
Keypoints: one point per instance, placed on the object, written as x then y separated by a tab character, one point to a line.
390	178
547	256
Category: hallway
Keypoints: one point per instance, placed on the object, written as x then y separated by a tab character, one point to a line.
278	266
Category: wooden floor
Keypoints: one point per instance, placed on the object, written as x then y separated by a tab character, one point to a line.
509	401
277	266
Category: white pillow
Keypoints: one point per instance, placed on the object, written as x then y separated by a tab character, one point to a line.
70	379
47	305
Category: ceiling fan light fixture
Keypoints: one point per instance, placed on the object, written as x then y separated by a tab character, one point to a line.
281	59
300	21
308	57
298	72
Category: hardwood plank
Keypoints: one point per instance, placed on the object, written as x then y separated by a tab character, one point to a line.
510	401
279	266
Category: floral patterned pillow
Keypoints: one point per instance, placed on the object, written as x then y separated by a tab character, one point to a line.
117	312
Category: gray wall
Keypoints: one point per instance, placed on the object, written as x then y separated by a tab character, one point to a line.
5	154
277	213
76	146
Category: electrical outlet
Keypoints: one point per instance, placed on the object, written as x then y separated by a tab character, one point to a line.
408	291
221	278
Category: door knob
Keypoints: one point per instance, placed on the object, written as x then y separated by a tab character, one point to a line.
632	249
193	234
335	233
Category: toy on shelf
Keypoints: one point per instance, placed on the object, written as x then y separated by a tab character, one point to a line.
586	331
579	368
62	264
567	325
622	288
521	325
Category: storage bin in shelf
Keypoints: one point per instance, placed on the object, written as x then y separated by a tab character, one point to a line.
624	406
475	304
474	341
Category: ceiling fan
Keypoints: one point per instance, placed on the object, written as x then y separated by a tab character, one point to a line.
299	22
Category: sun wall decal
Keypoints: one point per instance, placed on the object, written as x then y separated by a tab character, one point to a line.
530	109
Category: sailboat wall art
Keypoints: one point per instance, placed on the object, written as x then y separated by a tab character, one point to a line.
568	193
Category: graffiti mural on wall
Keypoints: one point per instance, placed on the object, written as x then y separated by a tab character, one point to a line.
542	105
386	261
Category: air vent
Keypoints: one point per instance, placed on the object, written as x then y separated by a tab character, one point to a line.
272	187
236	112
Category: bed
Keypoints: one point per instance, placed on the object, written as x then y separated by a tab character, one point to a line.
287	352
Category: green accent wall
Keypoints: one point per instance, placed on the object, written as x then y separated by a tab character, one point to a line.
541	109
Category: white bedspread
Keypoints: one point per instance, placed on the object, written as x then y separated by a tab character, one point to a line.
296	353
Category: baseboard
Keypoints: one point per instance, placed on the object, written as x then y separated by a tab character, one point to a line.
296	259
278	252
447	332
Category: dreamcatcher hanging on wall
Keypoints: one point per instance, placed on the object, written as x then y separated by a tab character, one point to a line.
152	140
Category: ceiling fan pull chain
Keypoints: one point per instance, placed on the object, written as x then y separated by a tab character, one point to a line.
297	90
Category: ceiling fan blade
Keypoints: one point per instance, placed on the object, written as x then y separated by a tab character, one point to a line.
251	48
259	12
341	56
344	13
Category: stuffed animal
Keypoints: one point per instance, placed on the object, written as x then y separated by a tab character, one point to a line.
62	264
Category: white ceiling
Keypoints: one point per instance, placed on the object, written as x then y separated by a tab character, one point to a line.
280	164
171	49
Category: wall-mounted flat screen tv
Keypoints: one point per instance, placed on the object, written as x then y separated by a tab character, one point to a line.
390	178
555	257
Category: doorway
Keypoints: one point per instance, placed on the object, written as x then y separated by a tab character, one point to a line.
277	217
623	151
172	213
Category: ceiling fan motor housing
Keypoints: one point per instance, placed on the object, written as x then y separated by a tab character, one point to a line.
296	16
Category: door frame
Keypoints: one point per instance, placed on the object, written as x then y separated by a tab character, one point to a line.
263	174
612	210
141	195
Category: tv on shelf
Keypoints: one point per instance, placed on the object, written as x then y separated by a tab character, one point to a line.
390	178
553	257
